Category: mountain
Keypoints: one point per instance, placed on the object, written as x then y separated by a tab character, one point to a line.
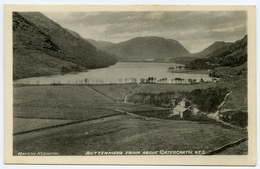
42	47
232	55
150	47
100	44
210	49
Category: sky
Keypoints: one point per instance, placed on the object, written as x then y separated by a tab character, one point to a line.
195	30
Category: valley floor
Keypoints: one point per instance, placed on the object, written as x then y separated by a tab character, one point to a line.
74	119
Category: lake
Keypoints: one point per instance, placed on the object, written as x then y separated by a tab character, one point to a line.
122	72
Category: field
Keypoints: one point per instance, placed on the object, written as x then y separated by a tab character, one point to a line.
115	91
124	133
98	127
160	88
60	102
118	91
24	125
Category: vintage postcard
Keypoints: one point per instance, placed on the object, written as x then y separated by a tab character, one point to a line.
130	85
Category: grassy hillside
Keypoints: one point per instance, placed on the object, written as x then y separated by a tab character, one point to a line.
42	47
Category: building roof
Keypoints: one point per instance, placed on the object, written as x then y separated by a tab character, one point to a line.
195	110
180	108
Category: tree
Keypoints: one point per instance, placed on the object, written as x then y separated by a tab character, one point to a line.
142	80
86	81
201	80
65	70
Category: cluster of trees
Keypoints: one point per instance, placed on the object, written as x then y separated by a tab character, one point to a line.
238	118
176	67
206	99
153	80
127	80
164	80
199	64
223	59
234	60
92	81
72	68
156	99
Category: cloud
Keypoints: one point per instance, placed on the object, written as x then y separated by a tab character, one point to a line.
194	29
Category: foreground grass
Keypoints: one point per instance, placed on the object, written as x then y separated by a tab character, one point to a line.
23	124
118	133
60	102
126	133
238	149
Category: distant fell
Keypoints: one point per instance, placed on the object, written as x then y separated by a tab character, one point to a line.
150	47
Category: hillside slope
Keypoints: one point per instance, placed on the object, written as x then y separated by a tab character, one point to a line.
231	55
100	44
204	53
148	48
212	48
42	47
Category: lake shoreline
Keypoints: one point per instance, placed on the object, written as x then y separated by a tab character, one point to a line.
190	71
122	72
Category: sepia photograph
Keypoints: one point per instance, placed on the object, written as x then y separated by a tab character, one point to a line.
128	82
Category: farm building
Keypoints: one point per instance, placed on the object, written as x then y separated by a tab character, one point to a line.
196	112
174	102
185	103
181	111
